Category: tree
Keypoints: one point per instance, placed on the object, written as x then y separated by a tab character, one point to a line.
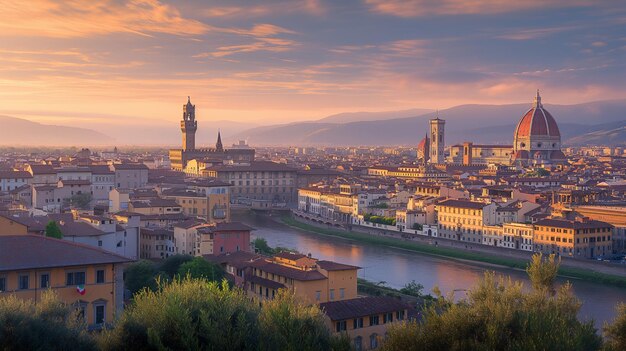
499	314
615	333
287	323
188	314
140	275
412	289
542	273
417	226
53	230
198	267
260	244
171	264
48	324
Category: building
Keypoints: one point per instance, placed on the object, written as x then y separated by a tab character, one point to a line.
188	127
580	238
469	154
614	215
437	140
130	175
209	200
223	238
464	220
366	319
537	139
257	180
156	243
89	278
11	180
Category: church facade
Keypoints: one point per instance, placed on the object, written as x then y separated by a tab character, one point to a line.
188	126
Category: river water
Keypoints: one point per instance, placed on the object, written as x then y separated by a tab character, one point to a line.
396	267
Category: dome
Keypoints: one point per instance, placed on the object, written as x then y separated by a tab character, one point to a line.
537	122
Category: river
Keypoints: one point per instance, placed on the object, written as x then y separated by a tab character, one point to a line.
396	267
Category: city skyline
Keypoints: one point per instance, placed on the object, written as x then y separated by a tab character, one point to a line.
111	64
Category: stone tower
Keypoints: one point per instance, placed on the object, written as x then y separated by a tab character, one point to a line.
218	146
437	140
189	125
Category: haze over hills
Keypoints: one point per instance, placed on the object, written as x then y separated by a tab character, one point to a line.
21	132
348	117
477	123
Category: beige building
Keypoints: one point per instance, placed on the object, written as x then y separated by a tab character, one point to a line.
86	277
463	220
581	238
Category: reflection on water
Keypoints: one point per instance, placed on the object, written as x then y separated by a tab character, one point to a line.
396	267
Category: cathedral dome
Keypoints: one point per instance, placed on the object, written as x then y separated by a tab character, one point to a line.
537	122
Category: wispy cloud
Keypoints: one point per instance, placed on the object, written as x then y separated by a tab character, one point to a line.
534	33
247	10
76	18
416	8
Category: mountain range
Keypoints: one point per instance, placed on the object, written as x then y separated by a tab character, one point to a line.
594	123
482	124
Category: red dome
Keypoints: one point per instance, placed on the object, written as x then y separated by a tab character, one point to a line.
537	122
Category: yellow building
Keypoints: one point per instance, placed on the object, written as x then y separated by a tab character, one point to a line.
464	220
87	277
313	280
581	238
212	205
365	320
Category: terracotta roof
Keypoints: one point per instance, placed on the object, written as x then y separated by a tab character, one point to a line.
568	224
288	272
334	266
35	251
264	282
537	121
463	204
190	223
254	166
231	226
361	307
14	175
129	166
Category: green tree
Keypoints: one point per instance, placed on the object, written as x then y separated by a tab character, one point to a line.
499	314
615	333
188	314
412	289
171	264
542	273
261	246
140	275
48	324
198	267
53	230
287	323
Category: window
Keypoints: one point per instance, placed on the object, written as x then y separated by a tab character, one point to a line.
23	282
75	278
3	284
99	242
332	294
400	315
374	320
342	293
373	341
358	343
340	326
357	323
318	295
99	312
100	276
388	317
44	280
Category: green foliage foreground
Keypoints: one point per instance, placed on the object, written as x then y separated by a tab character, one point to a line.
499	315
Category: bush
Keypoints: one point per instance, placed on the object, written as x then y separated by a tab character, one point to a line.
186	315
53	230
499	315
46	325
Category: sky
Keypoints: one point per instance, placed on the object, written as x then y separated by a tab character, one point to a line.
122	63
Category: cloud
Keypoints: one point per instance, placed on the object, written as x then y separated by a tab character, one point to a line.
76	18
535	33
312	7
417	8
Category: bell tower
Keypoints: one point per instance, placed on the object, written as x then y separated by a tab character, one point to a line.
189	125
437	140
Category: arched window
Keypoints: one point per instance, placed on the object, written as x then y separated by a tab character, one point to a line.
373	341
358	343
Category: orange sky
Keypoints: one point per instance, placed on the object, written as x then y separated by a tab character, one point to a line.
95	63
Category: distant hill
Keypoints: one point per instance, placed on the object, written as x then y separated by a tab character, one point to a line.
348	117
477	123
615	136
20	132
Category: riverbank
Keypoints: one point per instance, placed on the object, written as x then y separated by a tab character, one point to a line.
457	254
